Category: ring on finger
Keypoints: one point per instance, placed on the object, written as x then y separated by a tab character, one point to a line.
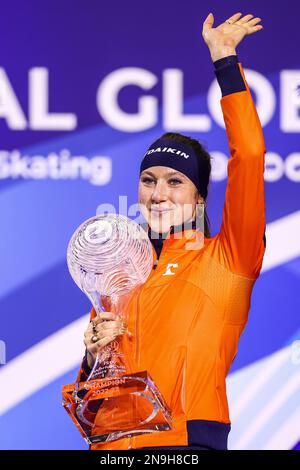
232	22
95	338
94	326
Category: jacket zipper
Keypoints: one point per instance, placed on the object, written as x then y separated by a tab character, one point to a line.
137	328
137	358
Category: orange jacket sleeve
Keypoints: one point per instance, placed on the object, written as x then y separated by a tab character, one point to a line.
243	218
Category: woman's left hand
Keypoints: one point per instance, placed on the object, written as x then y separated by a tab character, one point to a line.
223	39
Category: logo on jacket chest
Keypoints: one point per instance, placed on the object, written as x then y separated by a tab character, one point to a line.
169	270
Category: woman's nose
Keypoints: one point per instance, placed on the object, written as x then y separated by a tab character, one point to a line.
159	193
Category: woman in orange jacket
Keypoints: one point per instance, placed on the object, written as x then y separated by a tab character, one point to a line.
194	306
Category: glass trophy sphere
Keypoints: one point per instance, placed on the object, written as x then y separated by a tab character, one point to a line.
109	254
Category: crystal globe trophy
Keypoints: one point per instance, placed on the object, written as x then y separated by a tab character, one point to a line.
109	258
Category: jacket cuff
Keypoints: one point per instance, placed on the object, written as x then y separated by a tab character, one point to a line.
228	75
225	61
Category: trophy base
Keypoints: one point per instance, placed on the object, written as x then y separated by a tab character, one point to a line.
112	408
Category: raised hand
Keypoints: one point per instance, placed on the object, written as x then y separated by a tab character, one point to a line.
223	39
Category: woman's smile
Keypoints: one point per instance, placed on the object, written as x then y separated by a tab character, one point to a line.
159	211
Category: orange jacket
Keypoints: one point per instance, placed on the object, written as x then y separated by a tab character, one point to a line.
190	321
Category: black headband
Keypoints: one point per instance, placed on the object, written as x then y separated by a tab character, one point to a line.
180	157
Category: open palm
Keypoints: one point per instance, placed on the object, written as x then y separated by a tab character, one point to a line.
231	32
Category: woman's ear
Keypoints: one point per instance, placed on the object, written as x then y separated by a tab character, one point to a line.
200	199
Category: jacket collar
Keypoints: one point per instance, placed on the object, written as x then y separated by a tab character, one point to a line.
177	238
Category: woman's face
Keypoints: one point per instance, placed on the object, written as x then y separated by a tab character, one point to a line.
167	197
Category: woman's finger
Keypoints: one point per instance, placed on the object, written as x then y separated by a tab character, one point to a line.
253	22
104	342
253	29
110	324
208	23
103	316
245	19
96	347
102	333
114	330
102	326
234	17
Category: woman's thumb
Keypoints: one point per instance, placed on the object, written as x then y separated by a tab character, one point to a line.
208	22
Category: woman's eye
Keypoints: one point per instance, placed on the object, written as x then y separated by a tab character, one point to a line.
146	179
175	181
